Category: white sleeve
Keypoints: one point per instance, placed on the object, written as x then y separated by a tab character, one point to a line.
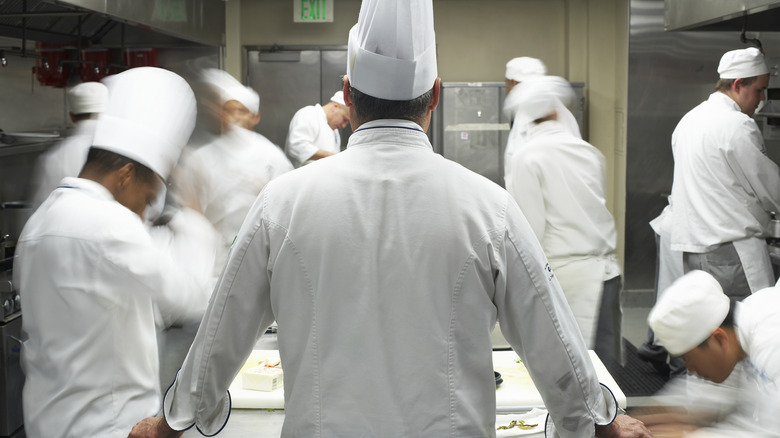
538	323
525	187
238	314
301	137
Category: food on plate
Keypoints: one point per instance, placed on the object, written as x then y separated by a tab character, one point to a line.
519	424
266	376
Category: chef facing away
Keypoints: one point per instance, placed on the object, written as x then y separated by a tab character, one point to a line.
385	311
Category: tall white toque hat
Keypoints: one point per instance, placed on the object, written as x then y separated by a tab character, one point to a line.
524	68
688	312
88	97
229	88
392	49
742	63
149	118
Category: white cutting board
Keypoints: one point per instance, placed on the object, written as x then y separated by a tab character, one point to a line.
517	390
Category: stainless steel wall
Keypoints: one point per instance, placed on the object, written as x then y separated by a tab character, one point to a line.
25	105
669	73
289	79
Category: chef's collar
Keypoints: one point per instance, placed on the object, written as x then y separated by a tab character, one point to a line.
390	123
86	185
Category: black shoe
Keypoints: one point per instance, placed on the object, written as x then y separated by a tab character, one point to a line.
656	356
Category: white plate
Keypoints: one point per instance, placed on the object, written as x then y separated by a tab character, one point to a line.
535	416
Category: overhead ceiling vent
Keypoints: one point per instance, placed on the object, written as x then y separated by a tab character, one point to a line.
722	15
85	23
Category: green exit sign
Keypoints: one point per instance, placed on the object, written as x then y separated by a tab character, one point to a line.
313	11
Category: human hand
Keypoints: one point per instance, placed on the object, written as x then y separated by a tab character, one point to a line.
623	427
153	427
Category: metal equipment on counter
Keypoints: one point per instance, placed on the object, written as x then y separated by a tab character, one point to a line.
11	376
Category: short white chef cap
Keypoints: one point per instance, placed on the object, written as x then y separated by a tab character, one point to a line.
149	118
229	88
338	97
743	63
392	49
688	312
88	97
523	68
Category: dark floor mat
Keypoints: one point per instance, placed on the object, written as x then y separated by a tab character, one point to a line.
637	378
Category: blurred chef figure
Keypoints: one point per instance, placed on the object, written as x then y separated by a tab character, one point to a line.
517	70
223	178
724	184
719	340
558	181
314	131
92	280
385	309
85	102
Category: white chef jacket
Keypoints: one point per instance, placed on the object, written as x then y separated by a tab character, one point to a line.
558	181
66	158
385	310
752	409
227	175
724	184
309	132
89	276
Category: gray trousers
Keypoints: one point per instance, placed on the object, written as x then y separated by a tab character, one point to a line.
608	344
724	264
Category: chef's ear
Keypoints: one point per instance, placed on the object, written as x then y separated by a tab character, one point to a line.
125	175
347	96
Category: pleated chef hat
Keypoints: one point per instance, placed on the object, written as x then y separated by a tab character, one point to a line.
229	88
539	97
523	68
688	312
338	97
88	97
149	118
392	49
743	63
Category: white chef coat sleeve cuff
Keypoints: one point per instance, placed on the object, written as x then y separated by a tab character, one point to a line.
600	418
182	415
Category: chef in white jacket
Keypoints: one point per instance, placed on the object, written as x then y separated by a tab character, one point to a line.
222	179
722	339
314	131
92	280
385	310
86	101
724	184
558	181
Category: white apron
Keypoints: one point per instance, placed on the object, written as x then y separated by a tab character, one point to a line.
754	256
582	281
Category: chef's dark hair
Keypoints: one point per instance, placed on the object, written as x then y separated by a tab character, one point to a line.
728	321
103	162
725	84
368	108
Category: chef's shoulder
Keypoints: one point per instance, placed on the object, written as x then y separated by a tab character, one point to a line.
306	113
94	218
